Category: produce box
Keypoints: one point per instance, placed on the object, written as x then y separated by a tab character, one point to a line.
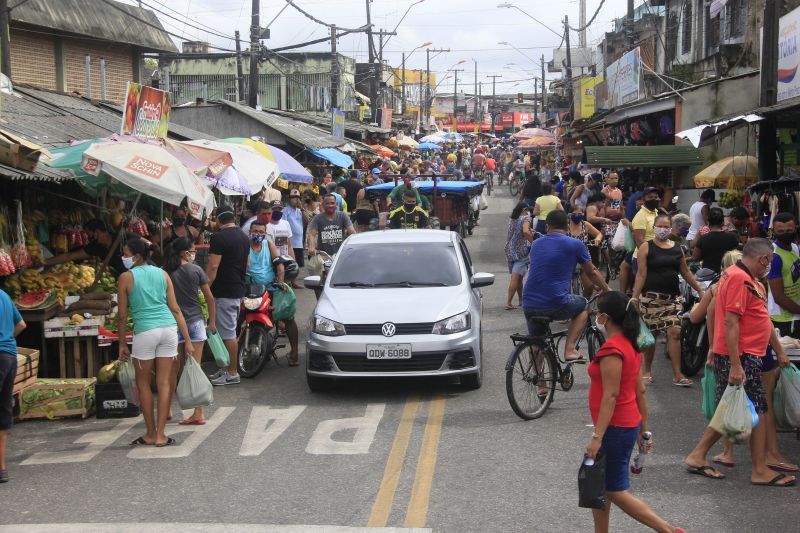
27	368
56	398
60	328
111	402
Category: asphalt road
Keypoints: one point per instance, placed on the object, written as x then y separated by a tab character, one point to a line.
403	456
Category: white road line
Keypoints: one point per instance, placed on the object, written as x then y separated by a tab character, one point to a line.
97	442
164	527
189	444
261	433
322	443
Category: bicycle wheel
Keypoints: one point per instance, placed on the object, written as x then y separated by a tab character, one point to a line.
513	185
530	380
594	340
576	285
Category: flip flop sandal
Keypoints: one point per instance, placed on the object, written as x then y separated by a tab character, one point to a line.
685	382
704	471
647	379
191	422
778	467
293	361
140	442
170	442
724	463
774	482
510	308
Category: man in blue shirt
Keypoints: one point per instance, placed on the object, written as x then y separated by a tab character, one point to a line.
546	292
297	219
631	208
11	325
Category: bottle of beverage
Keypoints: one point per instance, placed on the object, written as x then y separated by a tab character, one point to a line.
638	462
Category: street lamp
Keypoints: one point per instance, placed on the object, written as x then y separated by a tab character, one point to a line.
529	58
401	20
509	5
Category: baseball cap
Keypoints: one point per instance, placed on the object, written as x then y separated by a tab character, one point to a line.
294	193
376	171
225	212
276	204
648	190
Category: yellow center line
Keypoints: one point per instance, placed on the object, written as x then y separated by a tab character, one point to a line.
382	507
420	494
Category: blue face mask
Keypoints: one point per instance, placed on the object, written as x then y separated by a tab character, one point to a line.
277	215
576	218
257	238
684	231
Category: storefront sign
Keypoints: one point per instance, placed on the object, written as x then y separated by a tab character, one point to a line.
507	119
585	97
522	118
146	112
337	123
788	55
624	79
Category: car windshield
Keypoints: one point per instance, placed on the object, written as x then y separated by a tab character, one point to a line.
429	264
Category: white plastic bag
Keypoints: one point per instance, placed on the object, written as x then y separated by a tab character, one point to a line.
734	417
127	378
484	203
789	389
194	389
314	265
618	241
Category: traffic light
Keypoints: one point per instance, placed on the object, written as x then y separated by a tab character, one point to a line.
520	98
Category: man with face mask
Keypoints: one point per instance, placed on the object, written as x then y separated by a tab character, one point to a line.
642	223
329	229
297	219
279	231
101	239
396	196
409	215
784	277
263	214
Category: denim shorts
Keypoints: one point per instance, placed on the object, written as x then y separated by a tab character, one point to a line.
227	316
617	446
519	267
574	306
197	331
8	373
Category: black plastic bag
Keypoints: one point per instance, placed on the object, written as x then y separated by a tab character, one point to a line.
592	483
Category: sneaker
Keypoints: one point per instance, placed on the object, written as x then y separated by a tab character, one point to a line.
3	476
216	375
226	379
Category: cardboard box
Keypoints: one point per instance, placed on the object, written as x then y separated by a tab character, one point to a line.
18	152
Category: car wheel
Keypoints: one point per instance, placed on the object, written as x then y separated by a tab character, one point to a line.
317	384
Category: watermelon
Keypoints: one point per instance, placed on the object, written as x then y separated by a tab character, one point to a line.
36	299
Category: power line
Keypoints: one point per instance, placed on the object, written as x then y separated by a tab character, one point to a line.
204	28
323	23
597	11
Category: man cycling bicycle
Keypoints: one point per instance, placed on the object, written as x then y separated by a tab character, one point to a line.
546	291
478	162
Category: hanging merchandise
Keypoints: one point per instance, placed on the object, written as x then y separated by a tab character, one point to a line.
6	264
19	253
666	126
138	226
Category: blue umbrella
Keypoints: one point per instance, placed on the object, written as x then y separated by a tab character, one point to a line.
429	146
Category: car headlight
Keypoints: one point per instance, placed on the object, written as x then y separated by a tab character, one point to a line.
326	326
454	324
251	304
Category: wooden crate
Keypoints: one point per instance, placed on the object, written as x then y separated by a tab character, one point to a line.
82	389
27	368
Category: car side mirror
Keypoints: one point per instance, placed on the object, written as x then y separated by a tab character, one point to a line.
312	282
481	279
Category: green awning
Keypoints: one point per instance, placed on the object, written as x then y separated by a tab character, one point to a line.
643	156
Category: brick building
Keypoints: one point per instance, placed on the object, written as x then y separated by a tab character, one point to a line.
51	40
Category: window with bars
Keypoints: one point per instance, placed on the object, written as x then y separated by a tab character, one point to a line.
686	27
736	17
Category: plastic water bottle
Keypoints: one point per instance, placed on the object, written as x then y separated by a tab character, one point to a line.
638	462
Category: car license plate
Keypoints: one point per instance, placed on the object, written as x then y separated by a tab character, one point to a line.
388	351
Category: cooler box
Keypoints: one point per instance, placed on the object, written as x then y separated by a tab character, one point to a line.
111	403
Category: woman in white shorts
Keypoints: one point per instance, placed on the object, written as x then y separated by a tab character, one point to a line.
147	291
188	280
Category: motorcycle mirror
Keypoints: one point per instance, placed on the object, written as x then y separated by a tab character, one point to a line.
675	199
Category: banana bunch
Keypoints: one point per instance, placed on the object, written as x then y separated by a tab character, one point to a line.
71	277
28	281
33	219
34	252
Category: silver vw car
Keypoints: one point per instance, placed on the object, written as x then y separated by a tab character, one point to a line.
398	303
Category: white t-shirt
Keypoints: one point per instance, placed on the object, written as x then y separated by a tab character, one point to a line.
696	216
281	235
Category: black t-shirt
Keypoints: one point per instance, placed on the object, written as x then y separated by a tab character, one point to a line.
532	188
713	246
234	247
99	251
663	267
417	218
351	187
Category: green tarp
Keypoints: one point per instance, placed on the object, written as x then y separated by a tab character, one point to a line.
643	156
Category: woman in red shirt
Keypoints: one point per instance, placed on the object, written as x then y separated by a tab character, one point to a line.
619	409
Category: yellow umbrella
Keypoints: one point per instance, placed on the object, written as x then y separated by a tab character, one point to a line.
734	172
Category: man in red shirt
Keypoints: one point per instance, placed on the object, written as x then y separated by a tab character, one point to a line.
742	331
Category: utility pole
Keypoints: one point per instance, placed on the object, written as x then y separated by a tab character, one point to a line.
239	72
767	131
494	95
373	85
252	97
334	69
582	23
629	19
479	116
428	95
569	65
5	41
421	107
455	95
403	86
475	94
535	98
544	90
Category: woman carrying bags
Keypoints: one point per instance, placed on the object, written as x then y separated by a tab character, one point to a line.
618	407
188	281
148	292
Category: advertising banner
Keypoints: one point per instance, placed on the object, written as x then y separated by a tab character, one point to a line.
337	123
788	56
585	107
146	112
624	79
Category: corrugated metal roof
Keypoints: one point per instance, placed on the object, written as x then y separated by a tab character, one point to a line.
98	19
298	132
176	131
643	156
350	126
40	173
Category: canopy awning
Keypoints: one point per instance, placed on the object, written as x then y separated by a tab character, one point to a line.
334	156
705	133
643	156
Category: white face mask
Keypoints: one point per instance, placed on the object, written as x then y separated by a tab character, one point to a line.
662	233
127	262
602	328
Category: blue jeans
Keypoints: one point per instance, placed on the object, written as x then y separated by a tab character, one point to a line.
617	446
574	306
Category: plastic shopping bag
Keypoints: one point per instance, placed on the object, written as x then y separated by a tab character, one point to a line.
709	384
789	387
592	483
217	345
630	244
314	265
126	375
484	203
646	338
284	304
194	389
618	241
734	416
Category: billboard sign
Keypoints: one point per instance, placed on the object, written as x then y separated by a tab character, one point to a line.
585	97
337	123
507	119
788	55
146	112
624	77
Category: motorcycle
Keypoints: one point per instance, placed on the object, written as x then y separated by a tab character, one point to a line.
258	337
694	337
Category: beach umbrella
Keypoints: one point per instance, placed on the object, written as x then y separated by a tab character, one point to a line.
382	150
151	170
536	142
730	172
255	168
530	133
429	146
288	167
407	142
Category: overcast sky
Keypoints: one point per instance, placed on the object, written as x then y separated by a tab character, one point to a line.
471	29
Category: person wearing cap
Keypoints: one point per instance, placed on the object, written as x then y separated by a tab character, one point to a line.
263	213
226	271
298	220
409	215
698	213
279	231
396	196
101	239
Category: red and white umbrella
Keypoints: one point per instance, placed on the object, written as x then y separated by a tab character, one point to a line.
530	133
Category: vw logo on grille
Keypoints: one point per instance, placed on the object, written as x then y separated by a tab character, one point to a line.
388	329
